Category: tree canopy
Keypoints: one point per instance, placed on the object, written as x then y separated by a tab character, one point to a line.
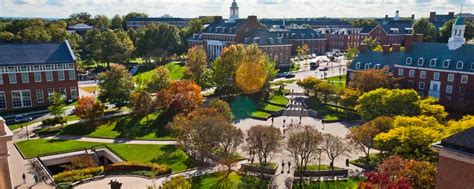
425	27
115	84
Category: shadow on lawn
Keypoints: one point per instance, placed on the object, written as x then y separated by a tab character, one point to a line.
135	126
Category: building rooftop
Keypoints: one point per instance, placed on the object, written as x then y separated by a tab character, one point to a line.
80	26
224	27
40	53
158	19
463	141
310	21
303	33
263	37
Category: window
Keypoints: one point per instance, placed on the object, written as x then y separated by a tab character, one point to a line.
410	83
1	78
422	74
49	76
39	95
73	93
411	73
472	66
400	71
450	77
377	66
62	91
50	93
436	76
12	78
21	98
446	64
37	77
409	60
459	65
462	90
367	66
25	78
3	100
463	78
420	61
433	62
449	89
61	75
421	85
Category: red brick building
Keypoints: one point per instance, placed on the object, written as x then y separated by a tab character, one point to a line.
456	161
443	71
298	37
30	73
344	38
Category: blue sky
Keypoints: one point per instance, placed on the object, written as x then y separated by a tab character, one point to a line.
261	8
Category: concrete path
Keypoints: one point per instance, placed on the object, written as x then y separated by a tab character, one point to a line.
116	140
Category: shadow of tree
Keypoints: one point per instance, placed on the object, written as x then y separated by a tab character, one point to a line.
135	126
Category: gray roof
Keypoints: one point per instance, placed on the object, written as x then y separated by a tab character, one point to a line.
427	51
263	37
80	26
299	34
462	141
310	21
392	27
158	19
224	27
41	53
374	58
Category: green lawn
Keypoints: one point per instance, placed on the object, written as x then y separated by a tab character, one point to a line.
279	99
260	114
349	184
145	72
219	180
242	107
271	107
338	81
127	126
269	165
330	113
324	167
144	153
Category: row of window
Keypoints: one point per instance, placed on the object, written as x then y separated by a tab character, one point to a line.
22	98
433	63
25	78
367	66
449	88
36	68
411	73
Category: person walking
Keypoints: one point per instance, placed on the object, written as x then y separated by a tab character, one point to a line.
35	178
23	176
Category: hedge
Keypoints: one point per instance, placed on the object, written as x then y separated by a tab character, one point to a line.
78	174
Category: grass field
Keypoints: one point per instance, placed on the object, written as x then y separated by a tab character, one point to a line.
349	184
145	72
279	99
271	107
144	153
338	81
324	167
244	107
152	128
219	180
330	113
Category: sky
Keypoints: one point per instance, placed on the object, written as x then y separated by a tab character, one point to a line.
260	8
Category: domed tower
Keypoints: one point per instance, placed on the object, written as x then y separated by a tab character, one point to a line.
234	12
457	34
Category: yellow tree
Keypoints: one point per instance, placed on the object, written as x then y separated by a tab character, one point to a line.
196	63
302	51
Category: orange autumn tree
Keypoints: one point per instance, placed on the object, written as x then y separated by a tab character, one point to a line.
371	79
180	96
89	108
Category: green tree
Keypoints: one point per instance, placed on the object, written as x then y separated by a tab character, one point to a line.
385	102
57	106
223	107
117	22
302	51
308	83
142	103
101	22
110	47
324	90
445	31
157	41
35	34
263	141
425	27
371	43
349	97
351	53
89	108
159	80
177	182
115	84
81	17
6	37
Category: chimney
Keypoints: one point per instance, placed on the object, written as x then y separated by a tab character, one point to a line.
2	127
362	47
252	18
386	48
396	47
413	17
419	37
451	15
217	18
432	16
386	16
408	41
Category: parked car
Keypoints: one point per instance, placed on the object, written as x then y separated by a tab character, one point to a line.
313	65
285	75
324	68
22	118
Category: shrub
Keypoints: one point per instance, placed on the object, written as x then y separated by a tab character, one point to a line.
78	174
158	169
54	121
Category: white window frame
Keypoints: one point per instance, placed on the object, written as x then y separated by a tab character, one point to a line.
74	93
409	60
1	78
459	65
72	74
420	84
436	76
366	66
39	96
61	76
49	76
358	65
12	78
62	92
446	63
449	89
411	73
37	76
400	71
3	98
422	74
464	78
420	62
450	77
433	62
22	98
50	94
25	78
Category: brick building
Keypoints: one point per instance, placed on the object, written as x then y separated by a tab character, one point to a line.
30	73
439	19
316	41
390	30
344	38
456	161
443	71
140	22
222	33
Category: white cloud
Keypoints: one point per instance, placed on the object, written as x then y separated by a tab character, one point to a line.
261	8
